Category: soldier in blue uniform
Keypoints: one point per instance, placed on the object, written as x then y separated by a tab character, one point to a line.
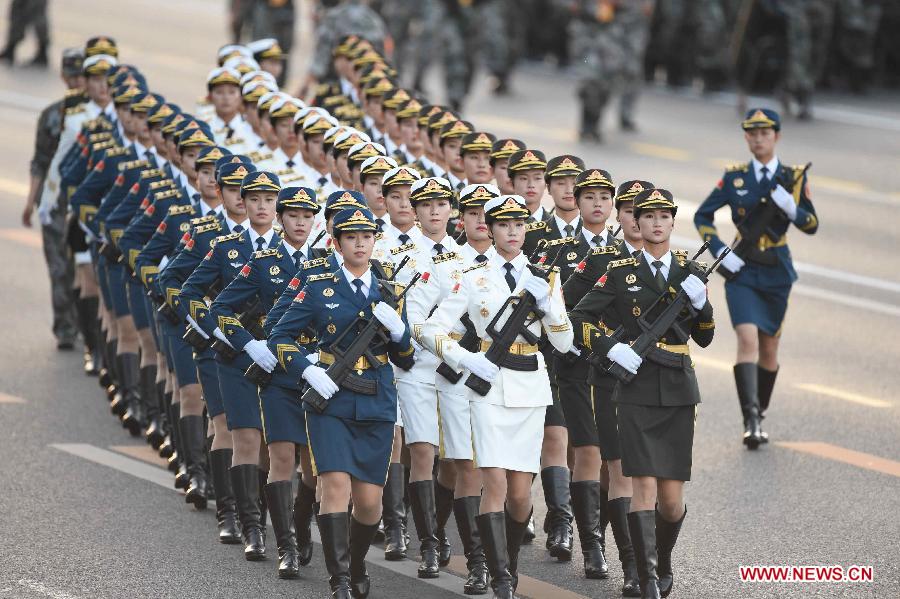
223	262
351	440
758	294
261	281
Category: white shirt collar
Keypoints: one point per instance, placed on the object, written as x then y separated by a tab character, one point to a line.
291	250
204	208
518	263
267	236
539	214
470	253
666	260
139	150
414	233
772	165
427	243
560	223
189	188
630	248
589	237
232	224
366	279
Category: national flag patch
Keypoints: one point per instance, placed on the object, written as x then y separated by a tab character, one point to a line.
245	271
190	244
162	227
300	296
208	255
602	280
295	282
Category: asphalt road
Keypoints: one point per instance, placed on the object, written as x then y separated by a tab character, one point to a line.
84	515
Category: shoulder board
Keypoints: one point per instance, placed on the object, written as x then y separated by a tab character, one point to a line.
326	276
476	267
132	164
228	237
563	241
625	262
378	236
234	141
444	257
387	267
165	195
403	248
535	226
186	209
681	253
604	249
314	263
75	110
208	227
798	168
202	220
265	253
119	151
740	166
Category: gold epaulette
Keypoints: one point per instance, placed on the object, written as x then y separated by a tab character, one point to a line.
152	172
554	242
202	220
740	166
75	110
228	237
117	151
604	249
176	210
322	277
165	195
624	262
444	257
703	265
103	145
388	268
403	248
98	137
263	253
234	141
131	164
75	91
680	253
378	236
535	226
160	184
216	226
314	263
476	267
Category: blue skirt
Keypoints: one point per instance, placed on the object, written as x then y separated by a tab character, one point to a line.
362	449
282	415
137	303
209	380
103	280
181	354
239	396
115	274
764	306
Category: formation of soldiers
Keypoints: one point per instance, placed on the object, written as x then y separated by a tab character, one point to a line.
368	292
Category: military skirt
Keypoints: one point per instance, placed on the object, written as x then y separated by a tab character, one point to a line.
361	448
759	296
240	396
574	396
656	440
283	418
508	438
604	417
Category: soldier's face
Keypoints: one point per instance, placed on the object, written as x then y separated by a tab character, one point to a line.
476	228
433	216
315	151
343	169
562	190
159	142
375	109
188	158
477	166
273	66
172	150
356	247
74	81
206	181
656	225
233	203
260	207
342	66
251	115
630	229
391	126
501	176
284	133
762	142
266	132
97	89
530	185
595	205
398	206
226	99
452	157
124	115
509	235
140	126
409	135
297	223
372	192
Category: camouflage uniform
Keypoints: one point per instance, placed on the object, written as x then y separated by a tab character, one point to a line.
498	21
350	16
59	263
22	14
855	38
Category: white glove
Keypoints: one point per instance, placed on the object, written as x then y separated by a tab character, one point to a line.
312	358
390	319
88	234
624	356
785	201
480	366
319	380
218	334
259	352
196	327
731	262
45	212
540	289
695	290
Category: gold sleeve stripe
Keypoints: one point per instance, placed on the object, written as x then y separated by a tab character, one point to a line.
225	321
559	328
194	306
705	326
283	349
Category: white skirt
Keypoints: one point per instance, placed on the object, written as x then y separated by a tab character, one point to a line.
456	426
418	404
508	438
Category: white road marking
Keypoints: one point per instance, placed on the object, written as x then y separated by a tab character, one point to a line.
856	398
42	589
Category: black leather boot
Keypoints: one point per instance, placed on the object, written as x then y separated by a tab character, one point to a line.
304	507
263	478
335	532
132	408
193	450
745	378
642	527
245	481
393	514
558	524
149	402
86	309
618	519
515	532
361	536
226	507
492	529
766	381
443	507
586	505
109	360
167	448
465	509
421	497
279	496
666	536
604	518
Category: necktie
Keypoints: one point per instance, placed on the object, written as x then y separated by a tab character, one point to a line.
510	279
568	229
764	179
530	219
660	279
196	197
260	243
237	229
404	238
359	294
480	258
229	131
380	223
299	259
290	164
210	212
597	240
323	181
438	249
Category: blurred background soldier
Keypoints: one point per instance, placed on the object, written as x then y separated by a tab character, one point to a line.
24	14
275	18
